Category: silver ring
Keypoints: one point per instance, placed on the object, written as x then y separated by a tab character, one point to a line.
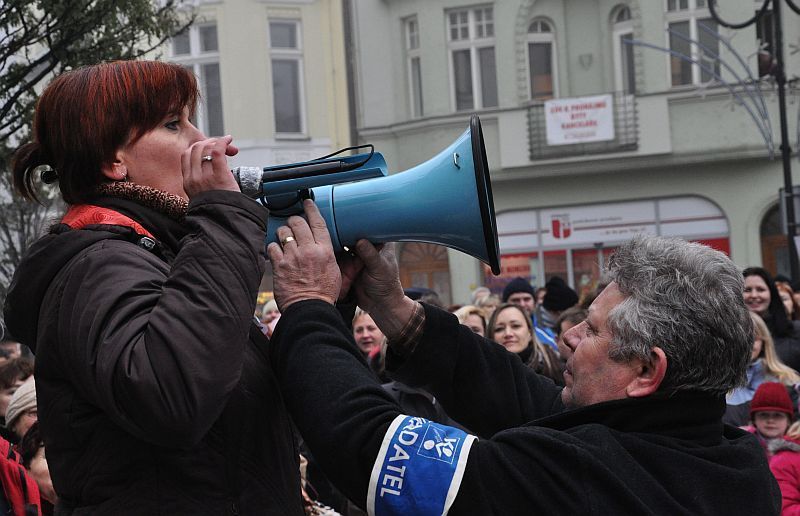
286	240
206	158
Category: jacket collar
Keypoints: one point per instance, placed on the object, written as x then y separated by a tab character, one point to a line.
691	415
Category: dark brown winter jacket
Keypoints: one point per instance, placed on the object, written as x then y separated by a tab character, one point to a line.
154	392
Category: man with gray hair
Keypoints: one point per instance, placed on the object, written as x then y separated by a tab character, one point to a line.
636	430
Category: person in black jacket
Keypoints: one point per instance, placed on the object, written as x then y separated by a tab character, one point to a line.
636	430
155	393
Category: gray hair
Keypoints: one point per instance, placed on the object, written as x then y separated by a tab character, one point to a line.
685	298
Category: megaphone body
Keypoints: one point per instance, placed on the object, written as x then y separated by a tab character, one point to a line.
446	200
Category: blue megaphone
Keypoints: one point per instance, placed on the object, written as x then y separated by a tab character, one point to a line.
446	200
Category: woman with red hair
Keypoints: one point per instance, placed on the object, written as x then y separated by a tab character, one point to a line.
154	389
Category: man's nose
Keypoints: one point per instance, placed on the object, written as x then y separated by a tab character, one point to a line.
571	337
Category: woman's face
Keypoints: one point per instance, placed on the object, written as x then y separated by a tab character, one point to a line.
511	330
366	333
756	294
771	424
474	323
155	159
788	303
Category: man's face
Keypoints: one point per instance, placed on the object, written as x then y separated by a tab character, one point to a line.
590	375
524	300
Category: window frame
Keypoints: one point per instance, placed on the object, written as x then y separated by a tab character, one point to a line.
289	54
618	30
195	60
542	37
474	45
691	14
416	99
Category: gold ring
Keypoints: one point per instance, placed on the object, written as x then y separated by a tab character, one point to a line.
206	158
286	240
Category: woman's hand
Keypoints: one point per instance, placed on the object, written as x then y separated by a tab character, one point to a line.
201	173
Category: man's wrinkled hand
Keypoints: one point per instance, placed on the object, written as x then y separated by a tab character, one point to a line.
304	265
378	286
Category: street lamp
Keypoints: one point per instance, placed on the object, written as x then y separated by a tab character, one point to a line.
780	78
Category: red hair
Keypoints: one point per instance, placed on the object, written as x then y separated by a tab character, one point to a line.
84	116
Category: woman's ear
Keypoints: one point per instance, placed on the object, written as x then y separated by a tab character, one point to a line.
116	170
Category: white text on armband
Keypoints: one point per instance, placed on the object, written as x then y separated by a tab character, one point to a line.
418	469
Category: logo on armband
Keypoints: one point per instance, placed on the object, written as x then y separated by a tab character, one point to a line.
418	469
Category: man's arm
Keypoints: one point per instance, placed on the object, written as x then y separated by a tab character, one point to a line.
479	383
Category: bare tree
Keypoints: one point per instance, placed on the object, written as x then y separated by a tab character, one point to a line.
40	39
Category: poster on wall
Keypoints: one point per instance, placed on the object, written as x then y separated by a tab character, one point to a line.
579	120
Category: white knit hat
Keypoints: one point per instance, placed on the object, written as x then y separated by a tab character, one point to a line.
23	399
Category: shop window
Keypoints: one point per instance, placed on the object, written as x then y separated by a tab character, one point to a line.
426	266
555	264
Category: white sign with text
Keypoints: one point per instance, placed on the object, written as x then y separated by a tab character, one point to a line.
579	120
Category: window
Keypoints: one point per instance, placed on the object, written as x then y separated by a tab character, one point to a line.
692	33
472	60
624	68
541	60
765	36
414	67
197	49
286	57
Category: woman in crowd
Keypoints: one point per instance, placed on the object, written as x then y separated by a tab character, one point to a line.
155	392
511	327
761	296
472	317
785	467
488	304
371	342
787	298
765	366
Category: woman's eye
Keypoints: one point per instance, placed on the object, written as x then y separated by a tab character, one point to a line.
173	125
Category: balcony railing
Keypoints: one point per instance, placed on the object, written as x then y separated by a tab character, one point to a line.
626	132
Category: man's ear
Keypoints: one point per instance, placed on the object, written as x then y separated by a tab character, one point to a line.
650	376
116	170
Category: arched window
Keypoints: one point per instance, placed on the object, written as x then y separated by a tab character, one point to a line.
622	32
542	60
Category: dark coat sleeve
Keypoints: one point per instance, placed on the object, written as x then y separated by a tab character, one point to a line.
478	382
343	413
160	347
336	402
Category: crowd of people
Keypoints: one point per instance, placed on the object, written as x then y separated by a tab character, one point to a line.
143	379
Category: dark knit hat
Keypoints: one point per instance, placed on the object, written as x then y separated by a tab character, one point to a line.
772	397
518	284
559	296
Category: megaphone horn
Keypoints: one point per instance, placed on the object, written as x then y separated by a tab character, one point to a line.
446	200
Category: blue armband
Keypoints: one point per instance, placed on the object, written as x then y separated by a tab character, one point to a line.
418	469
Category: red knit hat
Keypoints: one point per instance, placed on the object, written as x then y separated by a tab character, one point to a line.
772	397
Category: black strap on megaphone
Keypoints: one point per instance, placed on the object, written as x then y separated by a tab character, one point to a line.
316	167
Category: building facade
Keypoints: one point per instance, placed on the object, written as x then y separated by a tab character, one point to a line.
601	119
273	75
